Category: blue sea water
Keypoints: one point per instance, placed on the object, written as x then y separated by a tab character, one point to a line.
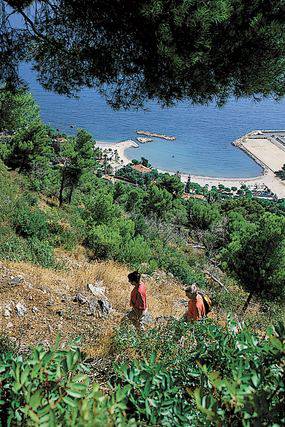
204	133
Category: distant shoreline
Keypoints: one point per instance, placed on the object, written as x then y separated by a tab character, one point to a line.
266	178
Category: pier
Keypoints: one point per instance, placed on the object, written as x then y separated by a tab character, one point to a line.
156	135
265	147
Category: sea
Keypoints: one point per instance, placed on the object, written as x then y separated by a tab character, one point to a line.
204	134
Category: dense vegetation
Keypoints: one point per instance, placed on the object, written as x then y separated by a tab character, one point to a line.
146	226
154	49
197	374
52	196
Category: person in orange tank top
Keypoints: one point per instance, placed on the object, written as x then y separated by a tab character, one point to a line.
196	308
138	299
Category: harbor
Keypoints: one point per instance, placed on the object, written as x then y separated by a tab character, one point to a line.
265	147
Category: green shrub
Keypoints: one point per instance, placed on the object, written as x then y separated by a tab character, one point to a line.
229	375
252	392
50	387
42	252
201	214
135	252
175	261
105	241
30	222
153	396
15	248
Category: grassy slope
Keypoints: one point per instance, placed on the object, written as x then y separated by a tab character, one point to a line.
52	290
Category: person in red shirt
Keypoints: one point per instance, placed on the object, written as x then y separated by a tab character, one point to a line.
196	308
138	299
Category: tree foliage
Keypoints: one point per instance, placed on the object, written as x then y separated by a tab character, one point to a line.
281	173
154	49
17	110
256	254
74	157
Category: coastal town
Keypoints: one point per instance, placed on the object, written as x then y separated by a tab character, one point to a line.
265	147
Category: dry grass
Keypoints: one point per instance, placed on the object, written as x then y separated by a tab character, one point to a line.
43	286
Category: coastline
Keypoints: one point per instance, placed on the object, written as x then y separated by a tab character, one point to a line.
249	143
120	146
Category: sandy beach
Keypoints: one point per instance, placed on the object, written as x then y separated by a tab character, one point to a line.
267	154
120	147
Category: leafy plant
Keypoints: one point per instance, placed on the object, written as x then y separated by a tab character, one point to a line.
153	396
51	387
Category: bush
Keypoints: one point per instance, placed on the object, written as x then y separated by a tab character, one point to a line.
202	215
50	387
153	396
15	248
135	252
227	376
30	222
42	252
175	261
105	241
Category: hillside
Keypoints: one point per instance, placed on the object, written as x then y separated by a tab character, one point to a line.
53	307
69	238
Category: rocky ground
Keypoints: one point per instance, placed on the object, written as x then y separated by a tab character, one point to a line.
84	299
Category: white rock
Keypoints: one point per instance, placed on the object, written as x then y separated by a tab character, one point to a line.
7	312
96	290
15	280
21	309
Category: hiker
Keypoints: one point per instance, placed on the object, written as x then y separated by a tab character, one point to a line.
196	304
138	300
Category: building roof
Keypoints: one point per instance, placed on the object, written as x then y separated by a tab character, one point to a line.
142	169
187	196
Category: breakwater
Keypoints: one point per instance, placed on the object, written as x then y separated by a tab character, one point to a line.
156	135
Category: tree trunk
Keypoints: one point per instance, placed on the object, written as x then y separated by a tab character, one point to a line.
70	194
61	189
247	301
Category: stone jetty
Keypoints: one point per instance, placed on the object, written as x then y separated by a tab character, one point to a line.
143	140
156	135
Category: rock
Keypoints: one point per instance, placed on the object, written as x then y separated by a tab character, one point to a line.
50	303
15	280
7	312
164	319
9	325
97	290
21	309
45	289
65	298
60	312
80	298
99	308
182	302
35	310
147	318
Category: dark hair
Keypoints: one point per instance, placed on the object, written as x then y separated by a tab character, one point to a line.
134	277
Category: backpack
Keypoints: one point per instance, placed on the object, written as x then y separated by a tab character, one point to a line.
207	302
